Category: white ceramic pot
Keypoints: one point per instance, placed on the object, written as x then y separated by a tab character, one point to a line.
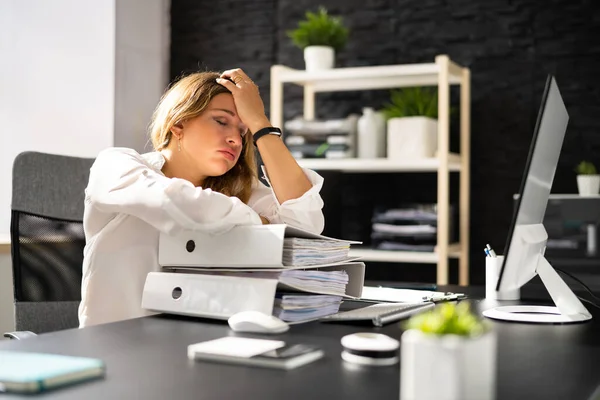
411	137
588	185
448	367
319	58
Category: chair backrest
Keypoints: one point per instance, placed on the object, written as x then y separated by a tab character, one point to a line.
47	239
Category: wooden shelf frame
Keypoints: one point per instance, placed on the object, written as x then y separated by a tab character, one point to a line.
442	73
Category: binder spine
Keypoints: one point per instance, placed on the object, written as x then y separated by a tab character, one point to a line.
209	296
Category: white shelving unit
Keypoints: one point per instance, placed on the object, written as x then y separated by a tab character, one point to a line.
442	73
380	164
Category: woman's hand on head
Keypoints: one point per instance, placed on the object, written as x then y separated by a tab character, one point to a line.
249	105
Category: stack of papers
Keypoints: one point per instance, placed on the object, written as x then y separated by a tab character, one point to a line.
302	295
331	282
415	213
311	281
295	307
307	252
405	229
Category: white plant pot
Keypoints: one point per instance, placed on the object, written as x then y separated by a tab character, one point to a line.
318	58
588	185
448	367
411	137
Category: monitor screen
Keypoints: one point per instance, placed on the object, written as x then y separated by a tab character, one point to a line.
535	185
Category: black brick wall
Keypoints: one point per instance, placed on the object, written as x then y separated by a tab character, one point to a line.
510	47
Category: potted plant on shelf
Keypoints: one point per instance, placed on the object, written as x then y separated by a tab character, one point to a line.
412	126
588	180
448	353
320	36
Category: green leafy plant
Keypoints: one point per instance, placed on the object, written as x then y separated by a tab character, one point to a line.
449	319
320	29
586	168
410	102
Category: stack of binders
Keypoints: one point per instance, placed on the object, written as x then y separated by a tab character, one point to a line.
275	269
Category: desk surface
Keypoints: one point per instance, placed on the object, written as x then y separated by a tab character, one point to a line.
146	358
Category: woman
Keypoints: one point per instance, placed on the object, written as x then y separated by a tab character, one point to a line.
202	176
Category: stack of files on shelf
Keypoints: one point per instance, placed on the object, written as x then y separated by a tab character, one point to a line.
216	276
333	139
405	229
320	146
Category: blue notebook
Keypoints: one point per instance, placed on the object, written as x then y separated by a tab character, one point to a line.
24	372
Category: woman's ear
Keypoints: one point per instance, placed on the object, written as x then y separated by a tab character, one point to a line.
177	130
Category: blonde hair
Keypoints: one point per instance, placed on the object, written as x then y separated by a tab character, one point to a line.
187	99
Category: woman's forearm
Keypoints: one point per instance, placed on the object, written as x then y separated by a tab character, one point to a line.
285	175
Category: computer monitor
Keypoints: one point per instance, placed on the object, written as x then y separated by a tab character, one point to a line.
524	252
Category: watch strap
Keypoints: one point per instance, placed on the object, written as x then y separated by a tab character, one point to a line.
269	130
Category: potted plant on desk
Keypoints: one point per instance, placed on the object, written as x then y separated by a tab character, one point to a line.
588	180
412	126
448	353
320	36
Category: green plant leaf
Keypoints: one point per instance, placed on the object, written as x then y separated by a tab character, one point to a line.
586	168
409	102
448	319
319	29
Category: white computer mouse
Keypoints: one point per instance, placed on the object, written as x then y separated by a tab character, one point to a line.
255	321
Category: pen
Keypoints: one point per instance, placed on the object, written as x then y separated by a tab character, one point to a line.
446	297
492	252
487	252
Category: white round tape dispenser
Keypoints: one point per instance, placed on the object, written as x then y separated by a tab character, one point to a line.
368	348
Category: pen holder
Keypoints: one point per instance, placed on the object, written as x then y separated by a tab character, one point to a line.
492	272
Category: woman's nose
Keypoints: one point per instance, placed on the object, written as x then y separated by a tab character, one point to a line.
234	138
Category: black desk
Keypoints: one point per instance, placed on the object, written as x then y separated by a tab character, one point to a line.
146	359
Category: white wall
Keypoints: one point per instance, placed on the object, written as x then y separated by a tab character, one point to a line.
56	81
142	67
76	76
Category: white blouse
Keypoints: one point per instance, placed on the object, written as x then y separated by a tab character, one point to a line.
128	201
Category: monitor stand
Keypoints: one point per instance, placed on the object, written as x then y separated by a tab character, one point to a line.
569	308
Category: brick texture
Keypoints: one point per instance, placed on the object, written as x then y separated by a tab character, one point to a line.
510	46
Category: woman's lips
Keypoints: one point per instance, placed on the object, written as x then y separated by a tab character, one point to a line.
228	154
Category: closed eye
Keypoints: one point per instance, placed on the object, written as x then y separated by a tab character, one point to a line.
223	122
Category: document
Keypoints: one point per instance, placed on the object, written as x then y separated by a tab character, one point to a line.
403	295
296	307
307	252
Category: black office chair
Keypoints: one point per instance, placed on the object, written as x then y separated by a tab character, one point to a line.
47	241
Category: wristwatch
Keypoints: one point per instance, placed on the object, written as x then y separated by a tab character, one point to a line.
269	130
